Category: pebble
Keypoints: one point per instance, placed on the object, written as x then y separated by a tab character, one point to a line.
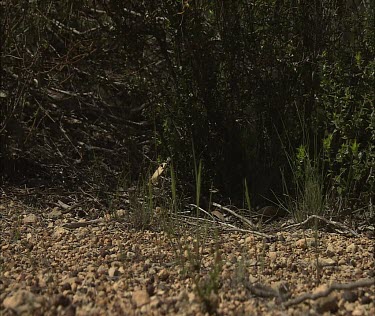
349	296
163	275
30	219
305	242
327	304
23	302
113	272
352	248
140	298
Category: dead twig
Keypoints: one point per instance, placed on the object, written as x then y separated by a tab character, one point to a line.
333	223
334	286
229	227
242	218
201	210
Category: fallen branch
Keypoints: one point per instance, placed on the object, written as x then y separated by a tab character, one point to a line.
226	226
201	210
334	286
242	218
333	223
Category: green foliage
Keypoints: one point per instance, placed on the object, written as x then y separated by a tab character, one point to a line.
310	192
347	118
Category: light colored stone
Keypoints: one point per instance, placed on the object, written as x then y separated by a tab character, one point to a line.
359	311
140	298
320	288
102	269
54	214
192	297
30	219
325	262
272	255
352	248
130	255
155	302
59	232
113	272
22	302
305	242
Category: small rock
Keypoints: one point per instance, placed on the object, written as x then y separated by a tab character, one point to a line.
140	298
59	232
192	297
358	311
349	296
163	275
72	282
145	309
272	255
330	251
70	311
120	213
320	288
342	262
22	302
327	304
155	303
54	214
30	219
130	255
326	262
365	300
66	287
352	248
249	240
113	272
305	242
62	300
102	269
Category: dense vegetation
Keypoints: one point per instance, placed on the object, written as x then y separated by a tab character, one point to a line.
279	93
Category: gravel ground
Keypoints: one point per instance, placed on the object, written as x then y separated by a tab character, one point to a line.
50	268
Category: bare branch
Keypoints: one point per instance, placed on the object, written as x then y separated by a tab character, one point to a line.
333	223
242	218
334	286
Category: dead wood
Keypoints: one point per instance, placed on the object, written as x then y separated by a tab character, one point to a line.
329	290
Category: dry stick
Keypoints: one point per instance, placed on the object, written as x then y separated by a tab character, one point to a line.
202	210
342	226
226	226
334	286
243	219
